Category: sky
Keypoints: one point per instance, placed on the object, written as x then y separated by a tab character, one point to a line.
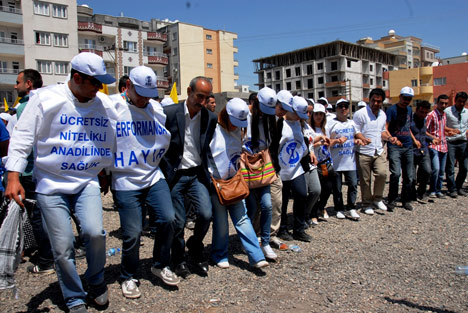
265	28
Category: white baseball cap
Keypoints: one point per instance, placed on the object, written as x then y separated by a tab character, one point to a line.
300	107
407	92
285	98
92	65
329	107
238	110
361	104
167	101
318	107
144	80
342	100
267	98
311	100
324	100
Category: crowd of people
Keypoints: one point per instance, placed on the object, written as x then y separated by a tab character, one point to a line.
72	142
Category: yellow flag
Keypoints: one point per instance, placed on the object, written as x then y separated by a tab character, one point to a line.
104	89
173	94
6	105
17	101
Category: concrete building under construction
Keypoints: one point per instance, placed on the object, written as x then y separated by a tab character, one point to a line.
333	70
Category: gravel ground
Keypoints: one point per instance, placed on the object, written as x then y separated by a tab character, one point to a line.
394	262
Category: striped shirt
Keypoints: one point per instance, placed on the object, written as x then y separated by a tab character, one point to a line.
435	124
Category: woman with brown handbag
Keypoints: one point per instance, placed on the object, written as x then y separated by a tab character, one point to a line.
226	147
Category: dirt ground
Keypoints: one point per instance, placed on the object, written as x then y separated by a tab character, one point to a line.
402	261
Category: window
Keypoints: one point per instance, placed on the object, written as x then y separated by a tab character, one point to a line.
288	73
8	95
334	93
298	84
277	87
348	63
334	65
127	70
44	67
414	83
320	80
61	68
440	81
151	51
59	11
334	78
277	75
131	46
371	68
3	67
372	81
174	36
209	51
61	40
209	37
320	66
310	95
269	75
174	51
209	65
385	83
14	37
288	86
298	71
2	36
15	67
321	94
41	8
310	83
309	69
90	44
43	38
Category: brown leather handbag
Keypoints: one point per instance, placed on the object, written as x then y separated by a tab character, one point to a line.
231	190
257	169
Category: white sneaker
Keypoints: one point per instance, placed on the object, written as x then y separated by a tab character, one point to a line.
369	210
166	275
269	253
340	215
130	289
325	214
354	214
380	205
223	264
261	264
275	242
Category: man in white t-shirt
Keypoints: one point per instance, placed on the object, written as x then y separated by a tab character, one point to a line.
137	180
342	133
70	127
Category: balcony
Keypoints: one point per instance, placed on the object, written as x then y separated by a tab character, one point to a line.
8	76
156	36
336	84
156	58
366	86
10	16
425	71
11	47
162	83
90	26
92	48
426	90
334	99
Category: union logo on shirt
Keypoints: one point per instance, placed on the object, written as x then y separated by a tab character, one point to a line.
291	153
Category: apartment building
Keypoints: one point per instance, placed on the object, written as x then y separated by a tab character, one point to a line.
197	51
36	34
430	82
411	51
334	70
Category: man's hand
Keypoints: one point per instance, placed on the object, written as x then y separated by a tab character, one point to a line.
435	141
14	189
417	144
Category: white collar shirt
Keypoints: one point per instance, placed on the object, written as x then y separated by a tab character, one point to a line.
371	127
192	150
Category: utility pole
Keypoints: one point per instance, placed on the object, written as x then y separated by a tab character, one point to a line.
350	100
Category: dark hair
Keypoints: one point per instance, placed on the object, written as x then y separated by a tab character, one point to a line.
423	105
252	96
223	119
123	82
321	101
33	76
322	124
442	96
266	121
195	80
377	92
462	95
210	96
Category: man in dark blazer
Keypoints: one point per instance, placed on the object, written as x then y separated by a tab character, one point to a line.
185	168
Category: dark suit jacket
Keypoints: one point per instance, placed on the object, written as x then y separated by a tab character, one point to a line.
175	123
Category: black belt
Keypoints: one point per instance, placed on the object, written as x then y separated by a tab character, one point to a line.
193	171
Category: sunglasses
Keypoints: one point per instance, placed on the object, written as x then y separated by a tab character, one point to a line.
407	98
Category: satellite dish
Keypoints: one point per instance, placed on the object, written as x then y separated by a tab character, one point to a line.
391	32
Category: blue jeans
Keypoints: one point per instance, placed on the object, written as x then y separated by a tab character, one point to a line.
423	164
351	181
243	226
56	213
195	192
401	161
438	160
263	197
456	152
130	205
